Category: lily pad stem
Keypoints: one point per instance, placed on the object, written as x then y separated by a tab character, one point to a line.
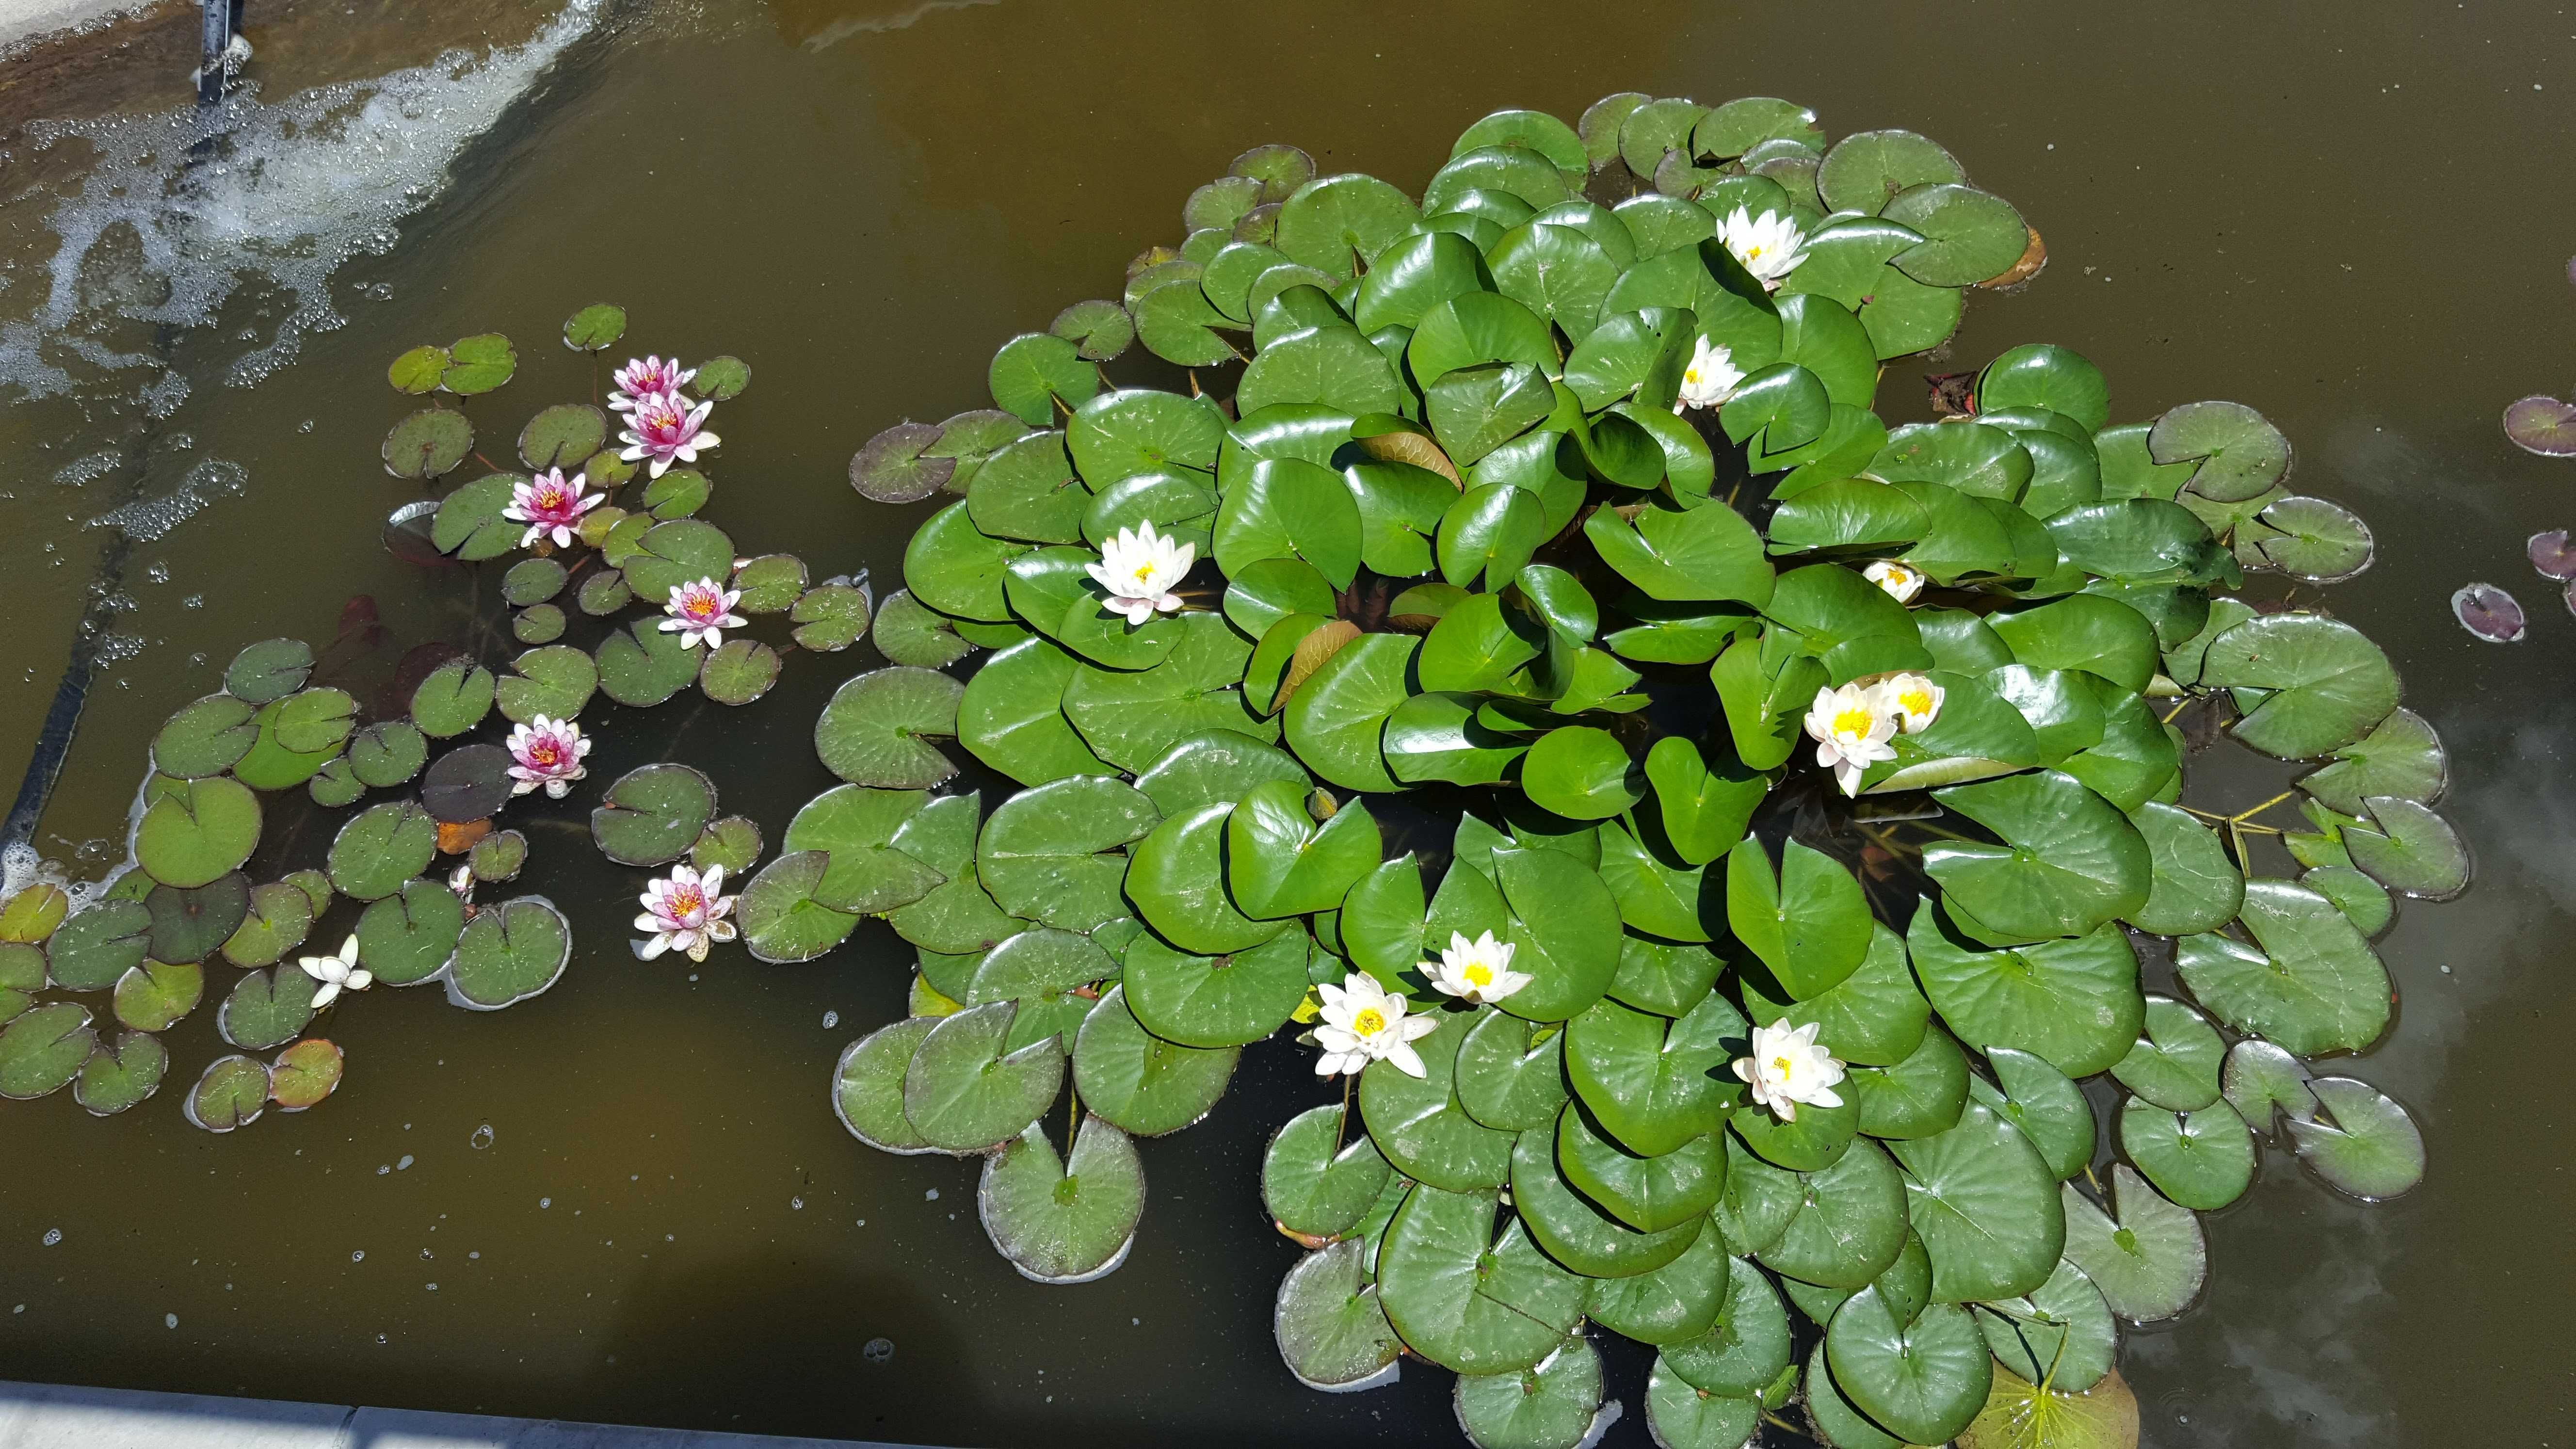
2186	702
2266	805
1342	1123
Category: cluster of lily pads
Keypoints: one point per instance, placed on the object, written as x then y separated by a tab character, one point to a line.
1719	830
1705	834
239	777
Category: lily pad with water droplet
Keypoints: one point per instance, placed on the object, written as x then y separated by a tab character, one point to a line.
231	1094
428	444
1063	1221
268	1008
722	379
279	918
188	925
2363	1144
42	1049
1331	1331
1141	1082
205	738
407	938
739	671
121	1075
2175	1061
829	617
383	847
508	953
867	1086
269	670
417	371
2321	542
890	468
2543	425
99	944
2149	1262
453	699
479	364
781	918
304	1074
497	857
644	664
555	681
653	814
197	831
387	754
878	727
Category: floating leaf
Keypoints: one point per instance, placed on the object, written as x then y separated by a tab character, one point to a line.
304	1074
876	729
267	1008
479	364
2020	1414
1984	1204
1139	1081
231	1094
2175	1062
121	1075
2202	1159
781	916
890	467
1557	1402
417	371
739	671
42	1050
2489	613
867	1086
594	328
963	1093
1068	1220
2150	1261
428	444
467	783
508	953
2364	1143
2542	424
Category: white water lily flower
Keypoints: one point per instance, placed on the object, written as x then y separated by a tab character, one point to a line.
1912	700
461	881
684	913
1711	378
1363	1023
1902	581
1788	1067
1476	971
701	612
1851	728
1770	246
1138	567
549	753
337	973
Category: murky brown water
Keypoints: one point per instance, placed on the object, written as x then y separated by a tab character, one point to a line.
2353	220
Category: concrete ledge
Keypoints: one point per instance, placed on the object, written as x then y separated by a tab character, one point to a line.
51	1416
27	20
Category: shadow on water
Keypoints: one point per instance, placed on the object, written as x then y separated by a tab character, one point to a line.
863	199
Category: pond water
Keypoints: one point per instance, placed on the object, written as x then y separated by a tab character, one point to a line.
629	1201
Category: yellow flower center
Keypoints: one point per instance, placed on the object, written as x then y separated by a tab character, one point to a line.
1781	1065
1691	375
685	901
1753	252
699	607
1144	570
1479	974
1369	1022
550	497
544	753
1916	701
1852	722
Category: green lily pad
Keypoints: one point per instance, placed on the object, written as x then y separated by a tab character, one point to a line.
1319	1177
1465	1298
1139	1081
2197	888
1042	854
2325	685
554	681
1335	719
268	1008
1068	1220
1423	1128
1653	1084
1573	1230
783	919
2073	1003
1555	1404
2069	863
408	938
386	845
452	699
2311	982
739	671
963	1093
1809	924
594	328
1011	715
197	831
2062	1334
2044	1103
867	1086
508	953
2175	1062
2202	1159
2414	851
121	1075
1331	365
1702	554
2261	1081
2363	1143
1985	1205
562	436
1511	1077
1969	235
278	918
1746	1350
1680	1416
205	738
2240	454
829	617
43	1049
1924	1380
304	1074
855	827
1035	374
653	814
890	467
1332	1333
2150	1261
2401	757
428	444
479	364
877	728
417	371
1874	1016
231	1094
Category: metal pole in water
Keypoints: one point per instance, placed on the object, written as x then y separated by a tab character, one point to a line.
215	34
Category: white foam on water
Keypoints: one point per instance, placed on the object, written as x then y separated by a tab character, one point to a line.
146	519
291	193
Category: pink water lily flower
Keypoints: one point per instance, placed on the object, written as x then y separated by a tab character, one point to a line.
647	377
550	753
700	612
664	428
684	913
551	503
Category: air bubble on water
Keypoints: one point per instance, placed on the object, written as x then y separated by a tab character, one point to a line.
831	1019
384	1169
358	1256
305	426
796	1204
380	1338
482	1136
433	1287
159	572
879	1350
405	1164
545	1202
146	519
195	601
53	1236
84	471
170	1320
931	1196
426	1255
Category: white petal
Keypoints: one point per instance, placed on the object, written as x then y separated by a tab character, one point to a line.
1406	1059
329	992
